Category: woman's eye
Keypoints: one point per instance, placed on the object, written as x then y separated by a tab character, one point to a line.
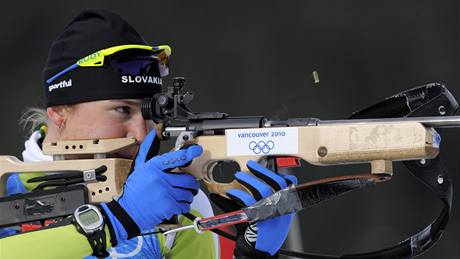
124	109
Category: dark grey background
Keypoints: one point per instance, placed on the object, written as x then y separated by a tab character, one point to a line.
256	58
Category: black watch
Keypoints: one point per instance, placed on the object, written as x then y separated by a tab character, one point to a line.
90	222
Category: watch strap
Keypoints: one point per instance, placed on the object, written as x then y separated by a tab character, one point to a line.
97	240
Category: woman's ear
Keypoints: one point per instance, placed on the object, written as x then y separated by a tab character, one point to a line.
58	115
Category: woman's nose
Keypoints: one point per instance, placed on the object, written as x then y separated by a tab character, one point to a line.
138	130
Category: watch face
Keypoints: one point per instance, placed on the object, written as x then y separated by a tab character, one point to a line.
89	217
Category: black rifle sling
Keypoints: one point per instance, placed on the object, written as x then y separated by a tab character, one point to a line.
433	174
428	100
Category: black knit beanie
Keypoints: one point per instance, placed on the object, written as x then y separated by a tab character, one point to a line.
91	31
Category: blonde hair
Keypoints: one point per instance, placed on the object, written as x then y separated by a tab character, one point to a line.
32	119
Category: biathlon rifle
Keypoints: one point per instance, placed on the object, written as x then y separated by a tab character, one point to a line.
400	128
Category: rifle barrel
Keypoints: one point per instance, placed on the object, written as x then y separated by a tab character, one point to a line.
435	121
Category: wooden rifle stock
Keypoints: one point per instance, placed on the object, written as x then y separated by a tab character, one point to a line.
377	143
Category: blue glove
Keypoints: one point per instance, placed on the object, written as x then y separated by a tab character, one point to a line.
151	193
268	235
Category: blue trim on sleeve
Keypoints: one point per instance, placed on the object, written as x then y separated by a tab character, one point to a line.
4	232
14	185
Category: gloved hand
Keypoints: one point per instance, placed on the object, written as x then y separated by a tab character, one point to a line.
151	193
264	238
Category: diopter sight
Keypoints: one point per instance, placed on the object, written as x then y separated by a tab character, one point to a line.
172	106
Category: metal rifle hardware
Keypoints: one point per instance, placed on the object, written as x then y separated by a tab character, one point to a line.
400	128
39	204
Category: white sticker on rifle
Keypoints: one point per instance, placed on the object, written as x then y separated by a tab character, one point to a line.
265	141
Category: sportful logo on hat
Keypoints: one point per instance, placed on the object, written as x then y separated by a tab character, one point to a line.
62	84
